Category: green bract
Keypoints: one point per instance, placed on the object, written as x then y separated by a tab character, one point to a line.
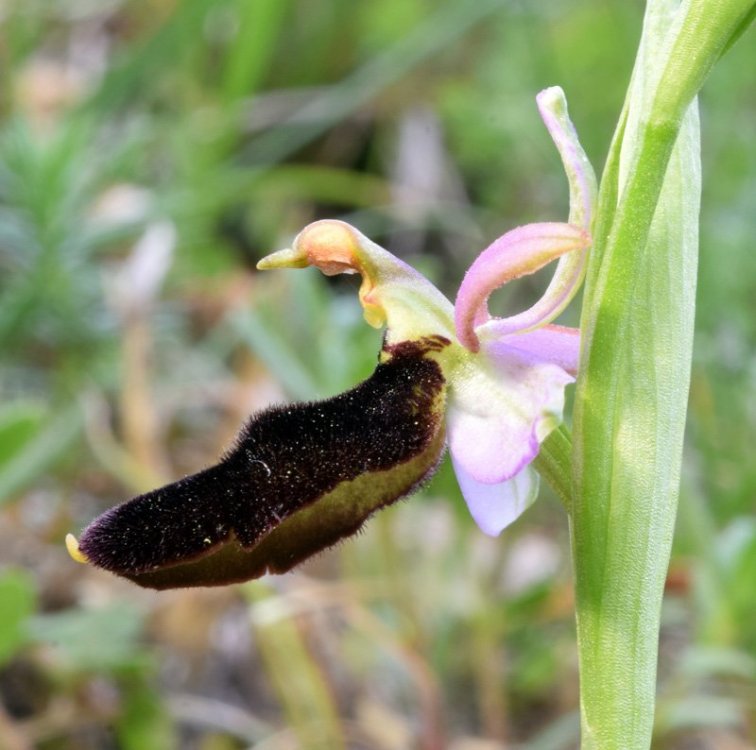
631	399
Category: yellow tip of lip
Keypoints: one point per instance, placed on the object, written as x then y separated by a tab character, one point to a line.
73	549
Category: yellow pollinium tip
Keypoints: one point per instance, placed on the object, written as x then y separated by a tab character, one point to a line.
73	549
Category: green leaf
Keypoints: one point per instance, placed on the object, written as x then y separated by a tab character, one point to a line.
632	391
144	723
259	24
299	683
17	602
20	421
92	639
29	446
432	37
275	353
631	402
136	73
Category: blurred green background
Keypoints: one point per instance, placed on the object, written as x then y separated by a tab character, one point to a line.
150	153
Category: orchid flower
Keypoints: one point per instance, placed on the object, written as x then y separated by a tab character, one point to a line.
302	477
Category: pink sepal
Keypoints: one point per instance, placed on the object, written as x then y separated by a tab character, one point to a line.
495	506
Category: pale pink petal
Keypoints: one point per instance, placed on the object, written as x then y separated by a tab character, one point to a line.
557	344
519	252
495	506
500	409
552	107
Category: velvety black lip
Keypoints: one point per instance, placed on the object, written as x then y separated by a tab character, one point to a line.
284	459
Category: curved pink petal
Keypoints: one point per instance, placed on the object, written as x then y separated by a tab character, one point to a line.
495	506
503	407
521	251
570	270
526	249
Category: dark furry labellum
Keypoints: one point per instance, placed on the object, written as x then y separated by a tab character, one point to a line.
299	479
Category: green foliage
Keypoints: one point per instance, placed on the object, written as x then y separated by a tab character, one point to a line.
31	441
17	602
101	639
637	327
144	724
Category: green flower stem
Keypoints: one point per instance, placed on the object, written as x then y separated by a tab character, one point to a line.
632	391
708	27
629	423
553	463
